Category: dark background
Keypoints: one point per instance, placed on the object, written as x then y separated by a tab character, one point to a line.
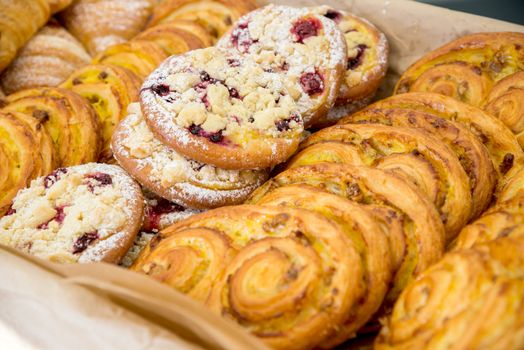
507	10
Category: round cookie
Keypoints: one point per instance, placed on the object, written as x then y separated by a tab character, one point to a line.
306	47
177	178
222	109
85	213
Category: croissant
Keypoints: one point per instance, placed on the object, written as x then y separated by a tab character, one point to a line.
46	60
19	21
471	299
99	24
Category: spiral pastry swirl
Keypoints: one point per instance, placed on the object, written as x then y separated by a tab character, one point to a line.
471	299
513	188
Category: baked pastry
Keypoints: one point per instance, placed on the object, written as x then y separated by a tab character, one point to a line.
170	175
85	213
139	56
99	24
369	239
160	213
216	16
222	109
412	154
289	276
399	207
307	48
16	158
505	101
67	117
468	148
19	21
471	299
467	67
512	188
109	89
46	60
192	27
58	5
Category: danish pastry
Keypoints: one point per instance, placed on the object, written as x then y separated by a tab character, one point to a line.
85	213
170	175
109	89
222	109
160	213
67	117
415	232
512	188
412	154
471	299
46	60
304	46
58	5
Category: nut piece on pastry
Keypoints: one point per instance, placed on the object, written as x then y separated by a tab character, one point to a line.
86	213
99	24
68	118
222	109
289	276
109	89
471	299
19	21
307	48
45	61
174	177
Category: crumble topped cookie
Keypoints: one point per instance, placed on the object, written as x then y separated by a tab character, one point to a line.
222	109
306	47
177	178
85	213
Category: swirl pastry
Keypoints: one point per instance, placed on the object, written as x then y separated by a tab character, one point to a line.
19	21
505	101
294	279
46	60
466	68
415	232
470	151
99	24
304	46
471	299
139	56
67	117
170	175
85	213
512	188
216	16
222	109
58	5
412	154
109	89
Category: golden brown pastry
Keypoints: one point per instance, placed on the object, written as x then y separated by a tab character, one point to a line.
45	61
471	299
412	154
513	188
58	5
19	21
99	24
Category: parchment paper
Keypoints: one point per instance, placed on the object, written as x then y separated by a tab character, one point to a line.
99	306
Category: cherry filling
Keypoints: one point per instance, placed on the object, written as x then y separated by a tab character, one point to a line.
10	211
312	83
305	28
333	15
155	212
356	61
234	93
98	180
233	62
59	218
205	77
215	137
241	39
283	124
52	178
84	241
161	89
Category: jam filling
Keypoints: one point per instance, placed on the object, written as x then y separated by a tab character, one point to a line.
233	62
305	28
241	39
155	212
59	218
52	178
215	137
98	180
312	83
10	211
356	61
84	241
333	15
283	124
161	89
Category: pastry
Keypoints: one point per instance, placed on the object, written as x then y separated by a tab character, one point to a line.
468	148
99	24
109	89
222	109
85	213
471	299
58	5
289	276
412	154
139	56
160	213
512	188
46	60
467	67
172	176
415	232
307	48
67	117
192	27
19	21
